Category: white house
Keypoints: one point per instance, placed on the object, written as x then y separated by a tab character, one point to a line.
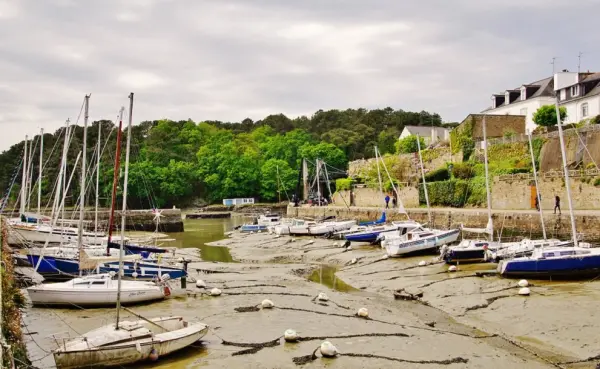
430	134
579	93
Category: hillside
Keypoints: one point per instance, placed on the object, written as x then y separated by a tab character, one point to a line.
181	163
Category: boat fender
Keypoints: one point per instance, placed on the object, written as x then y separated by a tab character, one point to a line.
134	275
290	335
153	354
138	347
167	291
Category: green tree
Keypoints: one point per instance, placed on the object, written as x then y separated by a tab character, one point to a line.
277	180
326	152
409	145
546	115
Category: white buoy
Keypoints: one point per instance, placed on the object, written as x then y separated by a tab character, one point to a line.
524	291
328	349
322	297
277	236
353	261
349	248
259	231
200	283
215	292
363	313
523	283
267	304
292	240
290	335
422	263
385	257
310	242
251	232
452	268
134	275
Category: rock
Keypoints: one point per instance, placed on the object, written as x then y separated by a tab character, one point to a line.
430	324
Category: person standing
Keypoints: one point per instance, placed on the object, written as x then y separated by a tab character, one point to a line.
387	201
557	204
537	202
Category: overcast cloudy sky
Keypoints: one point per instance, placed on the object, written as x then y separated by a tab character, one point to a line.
232	59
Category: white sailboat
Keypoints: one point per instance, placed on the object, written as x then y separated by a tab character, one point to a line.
127	342
419	239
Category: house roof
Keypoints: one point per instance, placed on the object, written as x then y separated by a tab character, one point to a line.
425	130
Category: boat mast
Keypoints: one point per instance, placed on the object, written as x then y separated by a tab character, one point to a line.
487	182
97	177
30	174
423	176
379	175
111	219
124	207
537	193
305	179
82	188
318	184
566	171
39	199
24	178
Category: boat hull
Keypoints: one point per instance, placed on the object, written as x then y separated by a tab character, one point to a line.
55	268
145	271
422	245
560	268
465	256
130	353
92	298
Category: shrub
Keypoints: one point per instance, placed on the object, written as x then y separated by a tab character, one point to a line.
463	171
409	145
509	133
343	184
440	174
546	115
597	182
596	120
447	193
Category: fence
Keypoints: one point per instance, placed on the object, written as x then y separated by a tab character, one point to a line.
554	134
550	174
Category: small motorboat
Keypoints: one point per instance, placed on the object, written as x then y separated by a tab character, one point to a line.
421	239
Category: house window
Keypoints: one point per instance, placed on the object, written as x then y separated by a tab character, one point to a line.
523	111
584	110
575	90
563	94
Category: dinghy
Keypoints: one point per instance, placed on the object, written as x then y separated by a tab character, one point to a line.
132	342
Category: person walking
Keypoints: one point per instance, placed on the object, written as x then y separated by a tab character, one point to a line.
557	204
387	201
537	202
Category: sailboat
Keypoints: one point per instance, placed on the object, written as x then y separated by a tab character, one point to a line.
419	239
475	250
556	262
128	342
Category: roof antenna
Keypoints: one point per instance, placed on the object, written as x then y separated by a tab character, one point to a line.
579	62
553	62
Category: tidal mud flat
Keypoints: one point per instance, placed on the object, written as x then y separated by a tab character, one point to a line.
461	321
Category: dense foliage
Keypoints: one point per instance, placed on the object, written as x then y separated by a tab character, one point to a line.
546	115
409	144
176	163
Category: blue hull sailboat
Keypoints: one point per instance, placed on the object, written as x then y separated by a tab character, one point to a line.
569	262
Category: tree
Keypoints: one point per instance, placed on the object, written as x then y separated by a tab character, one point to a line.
409	145
546	115
277	179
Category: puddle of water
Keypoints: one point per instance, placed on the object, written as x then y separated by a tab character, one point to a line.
199	232
325	275
215	253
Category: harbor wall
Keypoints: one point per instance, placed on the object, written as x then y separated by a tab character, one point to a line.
513	224
136	220
509	192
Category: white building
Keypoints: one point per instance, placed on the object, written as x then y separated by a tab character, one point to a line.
430	134
579	93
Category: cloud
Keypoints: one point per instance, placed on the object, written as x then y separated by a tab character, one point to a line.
232	59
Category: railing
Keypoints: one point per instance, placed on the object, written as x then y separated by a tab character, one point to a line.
550	174
523	137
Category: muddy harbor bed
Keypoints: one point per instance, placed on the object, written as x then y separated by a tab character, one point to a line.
461	321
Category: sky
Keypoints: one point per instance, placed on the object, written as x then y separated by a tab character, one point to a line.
231	59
